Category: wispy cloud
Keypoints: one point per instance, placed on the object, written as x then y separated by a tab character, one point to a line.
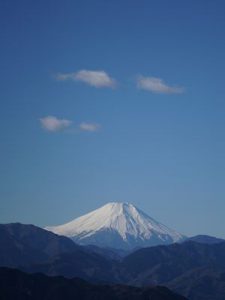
53	124
98	79
92	127
157	85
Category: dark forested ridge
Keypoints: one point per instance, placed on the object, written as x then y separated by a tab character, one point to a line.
17	285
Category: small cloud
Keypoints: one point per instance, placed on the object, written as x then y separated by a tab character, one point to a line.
157	85
53	124
91	127
98	79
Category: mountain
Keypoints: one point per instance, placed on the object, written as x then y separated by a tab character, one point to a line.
17	285
195	270
22	245
117	225
34	249
205	239
201	284
89	266
113	254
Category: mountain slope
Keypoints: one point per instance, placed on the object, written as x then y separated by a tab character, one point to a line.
164	263
16	285
201	284
26	244
117	225
192	269
31	248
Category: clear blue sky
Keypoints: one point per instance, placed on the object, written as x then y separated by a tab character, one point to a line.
151	131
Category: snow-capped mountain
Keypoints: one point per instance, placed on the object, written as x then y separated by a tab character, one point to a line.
117	225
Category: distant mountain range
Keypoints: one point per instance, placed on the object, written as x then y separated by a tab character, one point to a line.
206	239
118	225
195	270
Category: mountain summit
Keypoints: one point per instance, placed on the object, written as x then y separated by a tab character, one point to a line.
117	225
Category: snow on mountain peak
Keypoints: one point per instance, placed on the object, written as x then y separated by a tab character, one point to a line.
117	223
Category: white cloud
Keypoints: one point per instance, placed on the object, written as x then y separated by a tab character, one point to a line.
98	79
157	85
92	127
53	124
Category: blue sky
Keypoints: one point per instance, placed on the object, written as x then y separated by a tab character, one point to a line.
113	101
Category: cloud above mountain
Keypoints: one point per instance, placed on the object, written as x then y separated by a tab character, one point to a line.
157	85
101	79
54	124
91	127
97	79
